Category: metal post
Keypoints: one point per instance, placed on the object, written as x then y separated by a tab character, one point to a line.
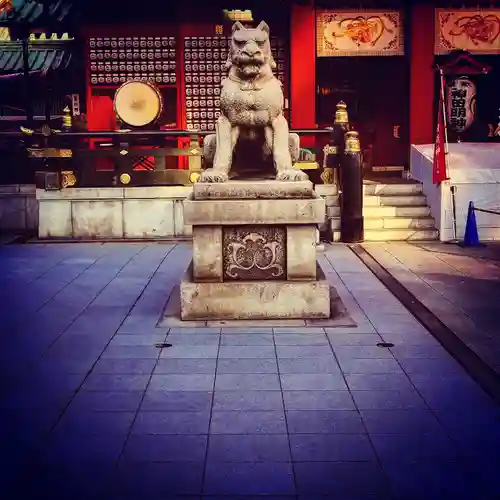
28	104
351	206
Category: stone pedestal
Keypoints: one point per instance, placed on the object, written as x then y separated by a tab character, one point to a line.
254	252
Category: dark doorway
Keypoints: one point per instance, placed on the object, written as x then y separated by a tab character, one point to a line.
376	91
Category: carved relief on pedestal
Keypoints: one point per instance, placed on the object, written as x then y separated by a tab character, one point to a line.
254	253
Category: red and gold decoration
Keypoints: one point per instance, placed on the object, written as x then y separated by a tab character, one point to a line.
359	33
5	6
461	103
439	173
476	31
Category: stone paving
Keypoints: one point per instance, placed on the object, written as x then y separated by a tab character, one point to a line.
459	285
91	409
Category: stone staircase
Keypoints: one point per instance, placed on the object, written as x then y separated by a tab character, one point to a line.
394	210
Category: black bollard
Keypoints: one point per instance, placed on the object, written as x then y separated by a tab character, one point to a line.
351	202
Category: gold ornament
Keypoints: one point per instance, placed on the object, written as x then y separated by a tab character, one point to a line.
194	177
68	178
328	176
125	178
352	142
341	116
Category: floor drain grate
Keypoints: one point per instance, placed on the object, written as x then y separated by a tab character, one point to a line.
385	344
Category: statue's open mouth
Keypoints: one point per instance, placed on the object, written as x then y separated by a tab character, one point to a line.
252	60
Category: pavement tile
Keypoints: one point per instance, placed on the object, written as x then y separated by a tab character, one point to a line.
303	351
431	366
297	329
173	422
182	382
165	448
247	330
388	400
125	366
331	448
195	339
323	364
413	446
420	352
185	366
379	382
195	331
120	351
157	480
137	340
244	422
245	351
301	339
243	479
334	478
404	338
95	422
247	381
247	365
107	400
248	400
355	365
115	382
249	339
249	448
177	401
190	351
313	382
318	400
323	421
362	352
400	421
353	339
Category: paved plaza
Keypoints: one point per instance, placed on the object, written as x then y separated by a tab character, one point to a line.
92	409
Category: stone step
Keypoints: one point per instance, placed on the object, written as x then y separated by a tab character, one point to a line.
326	189
396	235
396	211
399	223
394	200
401	234
403	189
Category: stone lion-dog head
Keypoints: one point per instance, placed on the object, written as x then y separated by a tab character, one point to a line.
250	50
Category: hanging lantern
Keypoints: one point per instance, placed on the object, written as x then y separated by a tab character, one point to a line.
461	103
5	6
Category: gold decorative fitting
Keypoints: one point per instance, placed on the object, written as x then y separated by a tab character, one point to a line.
330	150
125	178
50	153
68	178
194	177
352	142
328	176
341	115
124	152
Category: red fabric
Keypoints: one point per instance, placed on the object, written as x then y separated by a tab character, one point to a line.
439	163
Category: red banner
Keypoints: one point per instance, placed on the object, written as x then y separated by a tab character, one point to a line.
439	162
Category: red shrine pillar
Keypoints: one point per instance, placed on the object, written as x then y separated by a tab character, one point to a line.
422	75
303	69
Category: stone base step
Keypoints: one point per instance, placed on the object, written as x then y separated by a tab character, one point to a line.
396	211
396	235
406	189
399	223
401	234
394	200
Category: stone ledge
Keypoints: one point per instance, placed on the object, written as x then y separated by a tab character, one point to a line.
258	189
235	212
117	193
244	300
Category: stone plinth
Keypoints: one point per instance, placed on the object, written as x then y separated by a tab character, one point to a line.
254	252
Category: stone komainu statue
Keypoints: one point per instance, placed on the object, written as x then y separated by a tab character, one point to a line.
252	104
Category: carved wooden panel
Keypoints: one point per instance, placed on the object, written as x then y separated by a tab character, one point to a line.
254	253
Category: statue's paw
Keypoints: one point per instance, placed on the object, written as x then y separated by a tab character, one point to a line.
292	175
212	175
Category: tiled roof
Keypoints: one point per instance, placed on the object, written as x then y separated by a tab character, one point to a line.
31	10
43	56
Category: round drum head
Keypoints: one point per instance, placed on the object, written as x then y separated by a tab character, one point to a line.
137	103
